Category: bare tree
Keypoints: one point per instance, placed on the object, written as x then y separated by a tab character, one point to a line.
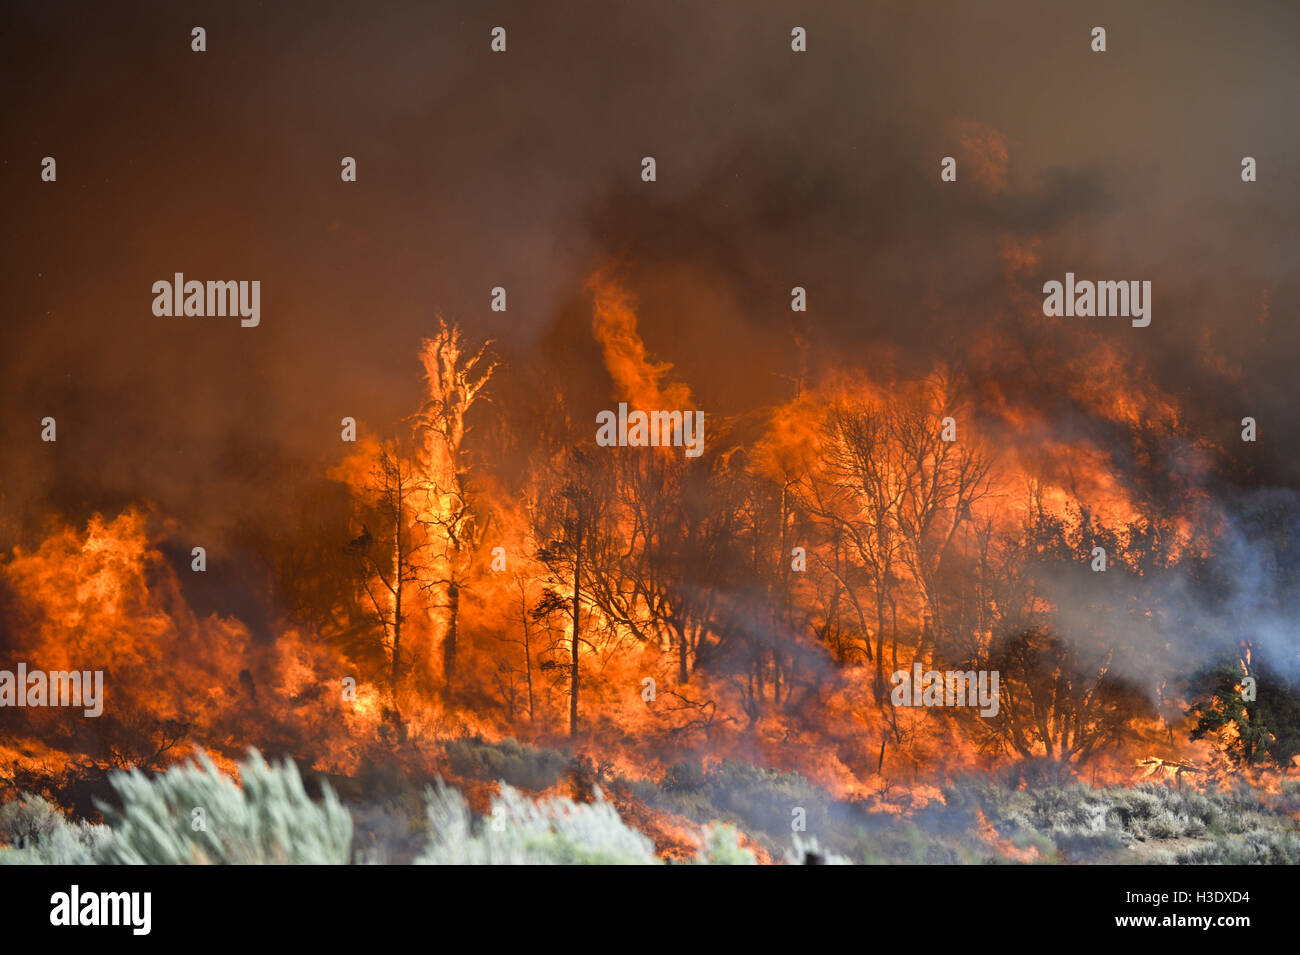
941	480
390	559
1058	698
449	511
1065	686
856	494
677	553
507	672
569	524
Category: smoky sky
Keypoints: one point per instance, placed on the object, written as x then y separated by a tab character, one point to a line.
522	170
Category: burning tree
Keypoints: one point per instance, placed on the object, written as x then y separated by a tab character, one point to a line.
507	673
390	559
1057	699
1252	728
681	532
891	495
575	535
774	581
855	496
1061	647
450	512
942	481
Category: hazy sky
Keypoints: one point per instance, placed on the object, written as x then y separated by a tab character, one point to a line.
522	170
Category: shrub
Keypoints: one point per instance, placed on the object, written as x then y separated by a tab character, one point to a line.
1257	847
685	776
35	833
270	820
763	799
721	846
1289	800
509	761
522	832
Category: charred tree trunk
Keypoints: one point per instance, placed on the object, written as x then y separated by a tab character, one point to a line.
397	628
453	634
776	676
528	650
880	642
683	654
573	650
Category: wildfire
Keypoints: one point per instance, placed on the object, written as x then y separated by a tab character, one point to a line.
747	606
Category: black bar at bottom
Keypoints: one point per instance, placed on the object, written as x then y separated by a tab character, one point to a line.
330	905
